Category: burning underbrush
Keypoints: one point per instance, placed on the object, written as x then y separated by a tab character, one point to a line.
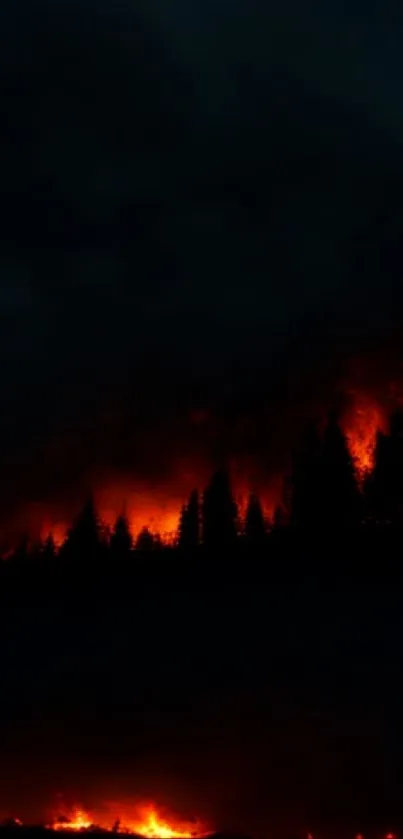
154	826
145	820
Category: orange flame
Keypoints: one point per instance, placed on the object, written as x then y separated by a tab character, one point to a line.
79	820
154	825
145	820
361	425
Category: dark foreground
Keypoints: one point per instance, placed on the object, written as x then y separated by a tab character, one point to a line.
39	832
12	831
264	695
369	557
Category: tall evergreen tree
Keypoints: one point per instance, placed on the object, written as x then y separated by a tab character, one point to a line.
376	486
121	542
304	484
384	488
189	524
280	519
158	542
145	541
219	514
23	549
255	525
84	540
338	498
48	548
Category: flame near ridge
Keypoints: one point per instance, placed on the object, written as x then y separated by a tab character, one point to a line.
151	823
146	820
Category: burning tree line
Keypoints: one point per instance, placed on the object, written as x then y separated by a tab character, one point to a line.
324	491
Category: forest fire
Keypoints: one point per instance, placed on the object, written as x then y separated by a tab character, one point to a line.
156	506
143	820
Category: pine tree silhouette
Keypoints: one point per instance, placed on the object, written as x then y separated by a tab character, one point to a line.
23	550
48	549
145	540
376	487
303	486
255	525
84	540
121	542
189	524
338	498
219	513
280	520
384	488
158	542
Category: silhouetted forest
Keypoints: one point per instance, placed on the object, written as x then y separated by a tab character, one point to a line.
321	495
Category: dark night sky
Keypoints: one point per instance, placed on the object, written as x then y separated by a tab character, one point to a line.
189	192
